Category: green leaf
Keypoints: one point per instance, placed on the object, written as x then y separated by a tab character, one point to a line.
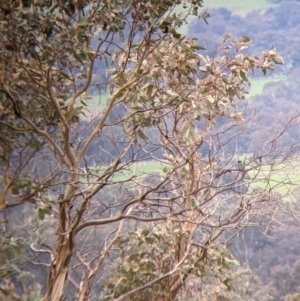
142	135
78	58
177	35
42	212
198	47
149	90
145	232
194	203
35	144
120	240
228	284
246	39
244	76
149	240
106	61
165	170
83	21
121	35
83	102
125	268
153	13
226	37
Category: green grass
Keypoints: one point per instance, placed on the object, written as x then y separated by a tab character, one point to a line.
241	7
282	178
257	84
96	100
95	104
281	181
135	171
140	170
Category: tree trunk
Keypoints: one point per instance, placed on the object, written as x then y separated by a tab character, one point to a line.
84	290
59	269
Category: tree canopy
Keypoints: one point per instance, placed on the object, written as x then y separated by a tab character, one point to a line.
118	171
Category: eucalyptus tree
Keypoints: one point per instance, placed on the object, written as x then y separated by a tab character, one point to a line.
111	128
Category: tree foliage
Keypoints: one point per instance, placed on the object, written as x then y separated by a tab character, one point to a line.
277	26
166	99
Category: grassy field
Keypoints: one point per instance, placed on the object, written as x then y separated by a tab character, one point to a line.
97	100
241	7
95	104
283	180
135	171
258	84
140	170
278	182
